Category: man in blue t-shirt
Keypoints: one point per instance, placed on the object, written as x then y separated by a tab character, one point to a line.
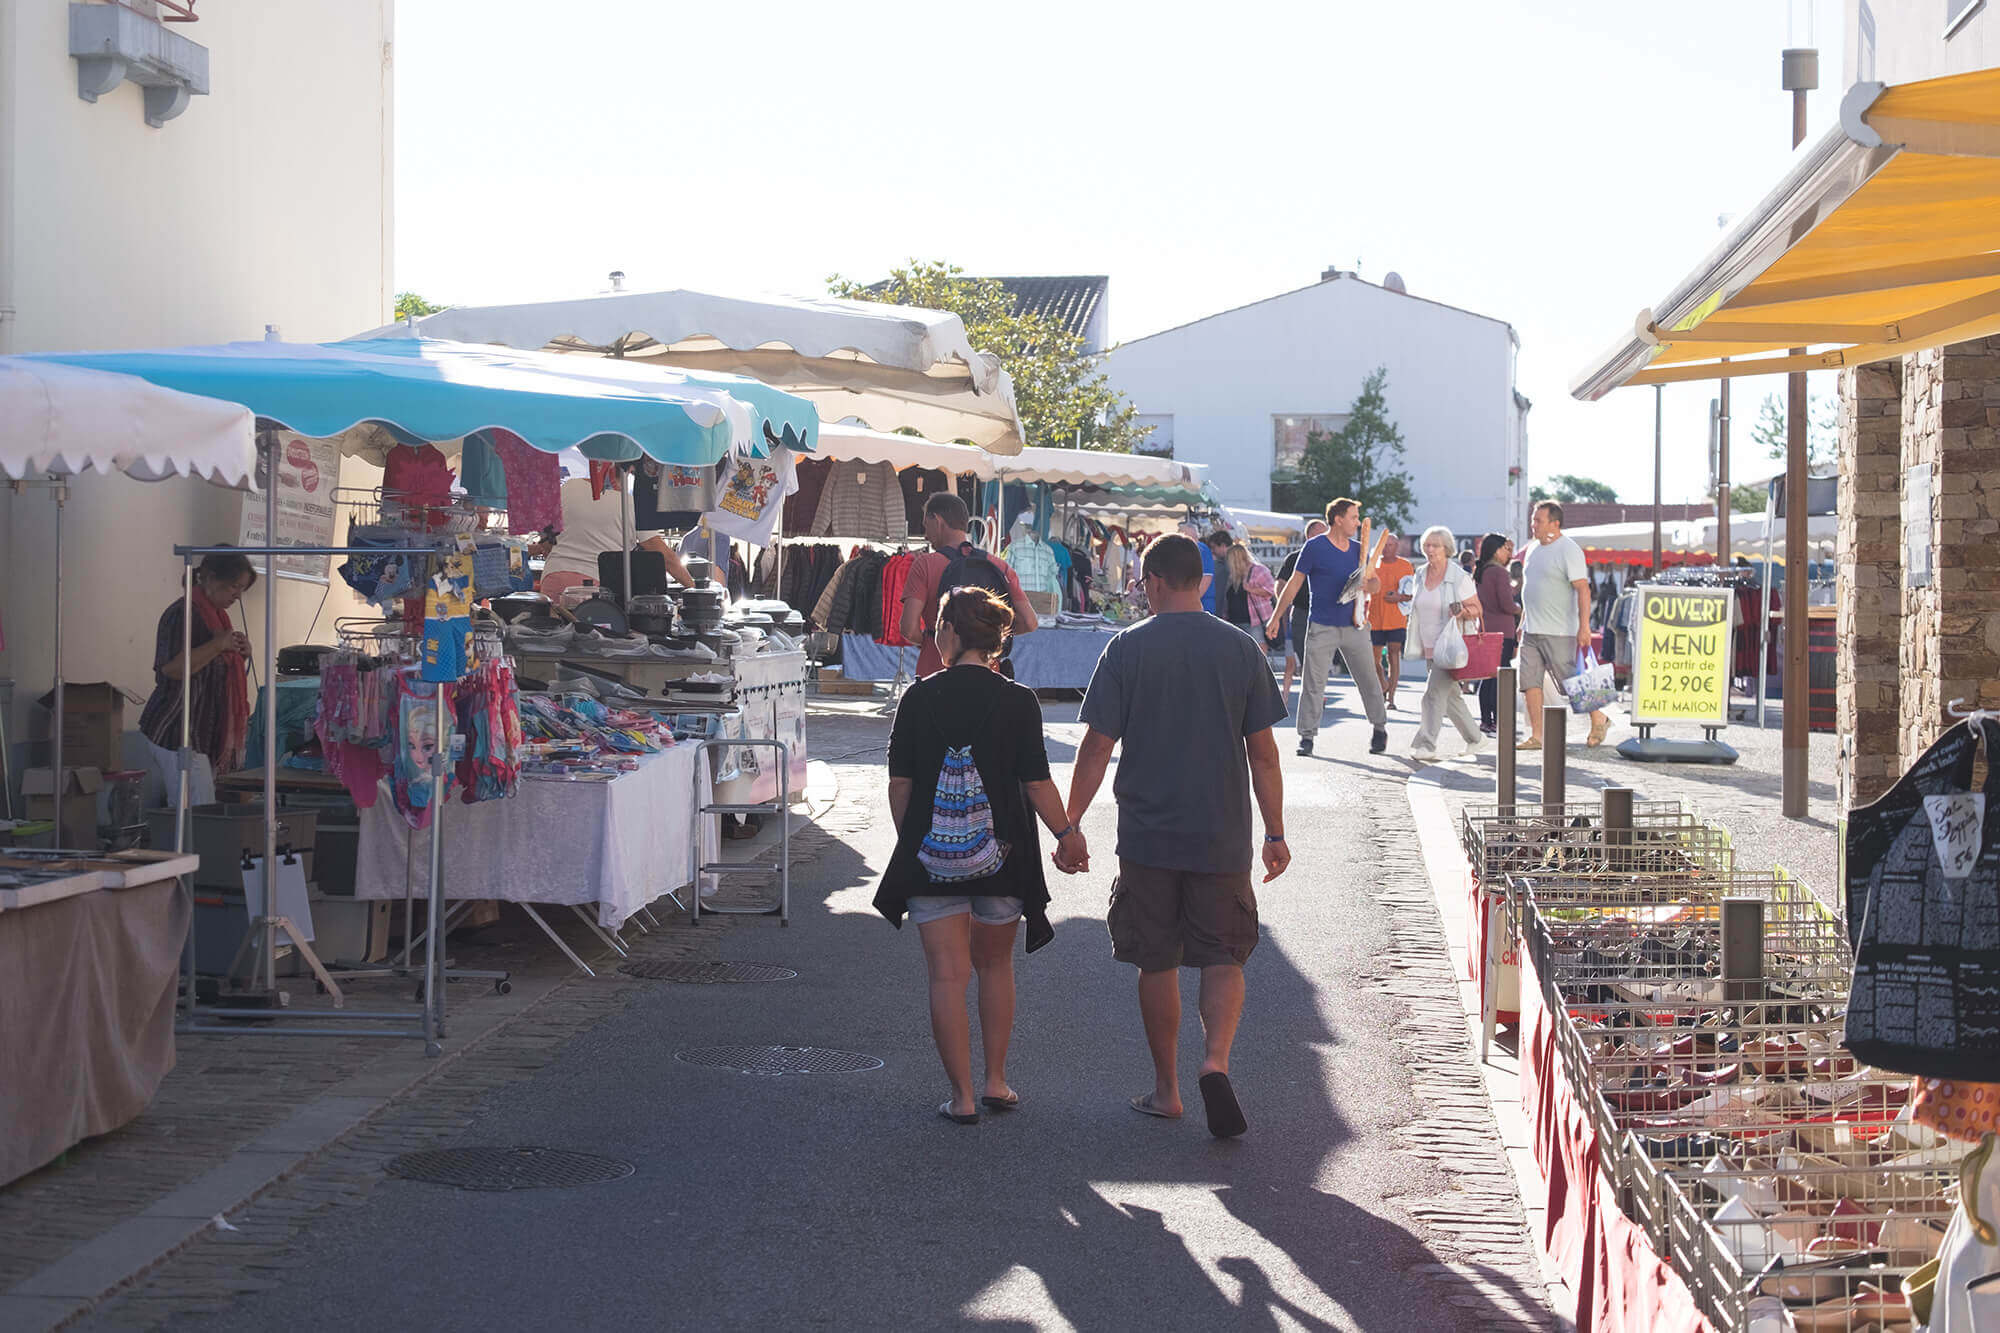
1328	562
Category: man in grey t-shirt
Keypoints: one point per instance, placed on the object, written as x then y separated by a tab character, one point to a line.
1555	616
1192	700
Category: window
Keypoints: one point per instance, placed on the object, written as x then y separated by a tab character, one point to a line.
1290	432
1159	437
1956	12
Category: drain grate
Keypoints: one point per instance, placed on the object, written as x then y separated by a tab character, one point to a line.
704	974
507	1168
776	1060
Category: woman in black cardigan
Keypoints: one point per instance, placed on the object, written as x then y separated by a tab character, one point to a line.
968	925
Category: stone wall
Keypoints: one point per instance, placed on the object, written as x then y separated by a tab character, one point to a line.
1950	645
1869	556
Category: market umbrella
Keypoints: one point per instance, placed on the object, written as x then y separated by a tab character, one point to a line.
428	389
57	421
888	367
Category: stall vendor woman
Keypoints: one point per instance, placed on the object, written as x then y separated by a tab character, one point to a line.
593	524
220	717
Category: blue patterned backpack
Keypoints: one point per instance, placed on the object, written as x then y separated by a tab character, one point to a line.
961	844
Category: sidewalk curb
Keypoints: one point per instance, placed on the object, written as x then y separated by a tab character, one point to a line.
63	1291
1450	876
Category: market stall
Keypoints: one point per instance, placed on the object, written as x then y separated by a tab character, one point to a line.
90	945
403	396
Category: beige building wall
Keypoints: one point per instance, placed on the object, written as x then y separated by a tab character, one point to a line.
269	201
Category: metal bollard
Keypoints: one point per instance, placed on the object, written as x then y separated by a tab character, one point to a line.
1505	685
1742	950
1555	725
1618	829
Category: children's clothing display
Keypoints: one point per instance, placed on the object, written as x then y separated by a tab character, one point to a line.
447	651
752	496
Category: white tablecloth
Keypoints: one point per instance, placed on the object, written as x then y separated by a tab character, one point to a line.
619	844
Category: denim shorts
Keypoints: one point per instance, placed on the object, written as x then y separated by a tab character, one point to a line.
986	911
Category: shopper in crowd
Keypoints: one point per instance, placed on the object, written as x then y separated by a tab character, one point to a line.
594	524
1443	594
954	562
1249	592
1388	622
1555	616
1499	613
219	715
1192	531
967	925
1193	704
1294	629
1328	562
1218	544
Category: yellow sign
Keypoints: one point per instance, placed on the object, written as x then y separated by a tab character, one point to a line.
1680	658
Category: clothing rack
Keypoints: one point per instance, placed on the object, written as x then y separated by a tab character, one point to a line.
387	639
268	924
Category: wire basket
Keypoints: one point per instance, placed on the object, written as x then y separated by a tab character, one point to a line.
366	507
1731	1120
1667	840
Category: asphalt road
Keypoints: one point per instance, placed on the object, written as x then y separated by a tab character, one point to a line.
842	1200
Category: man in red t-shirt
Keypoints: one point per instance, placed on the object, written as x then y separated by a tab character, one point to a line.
945	520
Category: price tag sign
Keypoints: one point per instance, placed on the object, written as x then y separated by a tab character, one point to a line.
1680	658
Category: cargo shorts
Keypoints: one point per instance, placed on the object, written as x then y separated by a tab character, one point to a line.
1163	919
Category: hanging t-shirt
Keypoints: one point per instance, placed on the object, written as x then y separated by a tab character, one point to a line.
752	495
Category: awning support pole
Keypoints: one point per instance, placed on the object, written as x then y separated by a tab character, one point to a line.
56	758
1796	563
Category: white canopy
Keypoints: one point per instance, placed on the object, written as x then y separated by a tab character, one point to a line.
840	442
1095	467
66	420
1266	523
885	366
1746	535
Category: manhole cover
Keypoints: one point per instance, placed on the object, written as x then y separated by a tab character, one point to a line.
507	1168
704	974
778	1059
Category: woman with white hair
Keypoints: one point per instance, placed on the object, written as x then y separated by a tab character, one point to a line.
1440	592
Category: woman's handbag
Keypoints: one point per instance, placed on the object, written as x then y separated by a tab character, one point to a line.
1923	882
1593	688
1482	661
1449	652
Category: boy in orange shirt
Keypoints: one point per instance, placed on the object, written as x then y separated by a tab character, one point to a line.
1387	621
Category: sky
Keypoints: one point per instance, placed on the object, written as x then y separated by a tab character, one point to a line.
1557	165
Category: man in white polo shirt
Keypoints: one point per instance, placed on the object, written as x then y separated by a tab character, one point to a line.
1555	616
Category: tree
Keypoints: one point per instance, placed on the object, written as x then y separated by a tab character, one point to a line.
1061	397
1822	429
1748	499
1568	488
409	305
1360	460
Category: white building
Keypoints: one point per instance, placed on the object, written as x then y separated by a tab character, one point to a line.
265	199
1903	41
1240	390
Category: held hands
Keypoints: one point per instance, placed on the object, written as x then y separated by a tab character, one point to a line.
1583	638
1371	584
1277	856
239	643
1072	854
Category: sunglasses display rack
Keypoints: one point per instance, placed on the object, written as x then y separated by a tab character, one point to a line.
1700	1024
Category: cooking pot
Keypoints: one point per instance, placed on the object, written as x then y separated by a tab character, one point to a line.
651	613
601	613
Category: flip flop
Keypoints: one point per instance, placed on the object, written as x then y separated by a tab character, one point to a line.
1002	1103
1225	1117
1143	1104
944	1109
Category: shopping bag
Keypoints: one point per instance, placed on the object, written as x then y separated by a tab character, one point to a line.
1448	653
1923	881
1482	660
1593	688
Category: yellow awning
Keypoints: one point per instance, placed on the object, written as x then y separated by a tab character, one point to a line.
1884	238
